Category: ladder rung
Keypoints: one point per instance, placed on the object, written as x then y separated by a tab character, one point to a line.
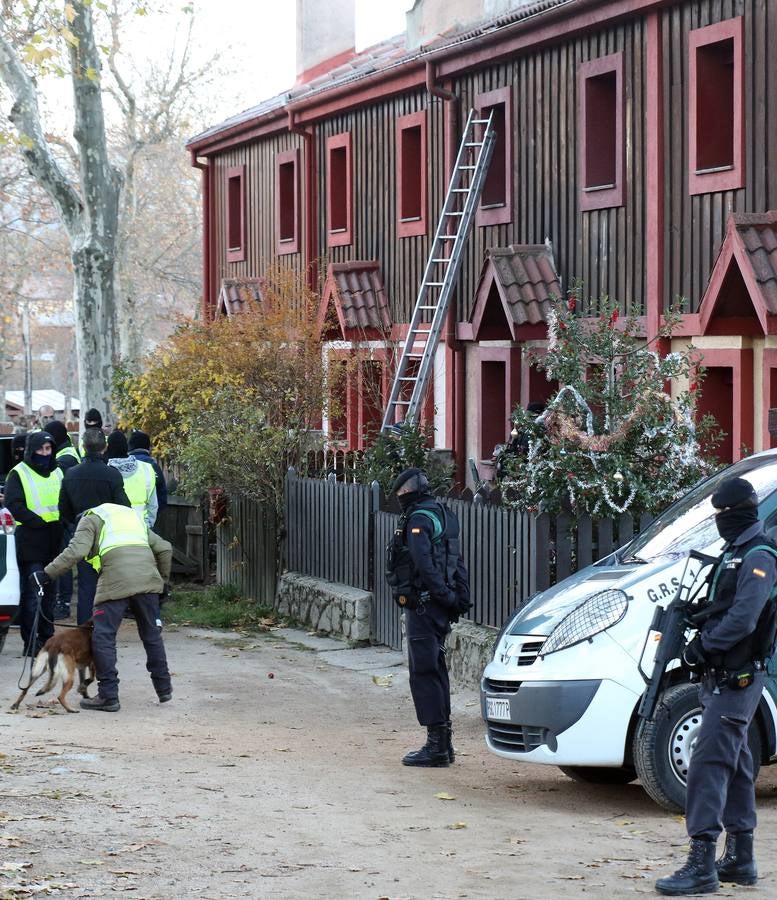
427	307
448	237
415	356
468	167
454	214
434	283
474	143
480	121
402	403
442	259
460	190
408	378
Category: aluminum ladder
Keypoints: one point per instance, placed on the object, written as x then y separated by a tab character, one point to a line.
442	268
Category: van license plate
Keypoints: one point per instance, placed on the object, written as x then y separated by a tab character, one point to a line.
497	709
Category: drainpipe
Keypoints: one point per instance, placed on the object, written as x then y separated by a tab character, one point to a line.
204	166
456	352
311	247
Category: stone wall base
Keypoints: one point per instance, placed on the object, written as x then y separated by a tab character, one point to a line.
330	608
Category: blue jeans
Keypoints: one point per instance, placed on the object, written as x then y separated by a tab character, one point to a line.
28	606
87	587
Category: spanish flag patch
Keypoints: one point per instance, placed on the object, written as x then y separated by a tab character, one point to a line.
418	531
759	572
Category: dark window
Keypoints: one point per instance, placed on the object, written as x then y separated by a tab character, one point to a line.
601	132
716	119
495	187
410	188
601	97
715	106
338	195
235	214
287	211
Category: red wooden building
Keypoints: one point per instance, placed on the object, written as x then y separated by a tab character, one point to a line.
636	152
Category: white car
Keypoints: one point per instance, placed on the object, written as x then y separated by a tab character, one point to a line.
568	696
9	575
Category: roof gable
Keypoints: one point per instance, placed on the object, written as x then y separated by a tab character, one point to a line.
525	280
355	292
743	282
237	294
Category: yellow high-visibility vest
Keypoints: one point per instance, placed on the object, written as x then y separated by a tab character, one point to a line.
122	527
41	494
140	486
69	451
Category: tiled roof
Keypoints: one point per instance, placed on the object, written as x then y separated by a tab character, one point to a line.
526	279
359	296
759	237
237	293
381	57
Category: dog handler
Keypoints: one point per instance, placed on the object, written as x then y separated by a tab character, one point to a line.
134	566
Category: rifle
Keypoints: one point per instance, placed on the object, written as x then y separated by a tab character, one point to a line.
668	629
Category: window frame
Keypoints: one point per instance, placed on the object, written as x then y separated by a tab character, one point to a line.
415	226
284	246
340	237
499	215
726	179
605	197
236	254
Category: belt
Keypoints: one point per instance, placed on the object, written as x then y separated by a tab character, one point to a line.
720	675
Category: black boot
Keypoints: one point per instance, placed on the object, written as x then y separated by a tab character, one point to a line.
697	876
434	753
103	704
737	863
451	748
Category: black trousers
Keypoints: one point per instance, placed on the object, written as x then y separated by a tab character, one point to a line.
426	629
720	791
107	618
28	604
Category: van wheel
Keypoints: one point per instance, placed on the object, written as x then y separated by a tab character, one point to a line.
600	774
663	746
3	636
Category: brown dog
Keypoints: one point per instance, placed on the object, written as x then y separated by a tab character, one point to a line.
62	654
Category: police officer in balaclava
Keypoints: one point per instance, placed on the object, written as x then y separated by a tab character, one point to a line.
736	635
429	580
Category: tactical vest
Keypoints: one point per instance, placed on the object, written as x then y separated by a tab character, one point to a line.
759	644
41	493
122	527
139	485
406	586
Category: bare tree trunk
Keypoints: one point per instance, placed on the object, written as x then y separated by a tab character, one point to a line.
27	356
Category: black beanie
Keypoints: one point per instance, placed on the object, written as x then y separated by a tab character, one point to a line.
403	477
734	492
117	445
139	440
58	431
93	418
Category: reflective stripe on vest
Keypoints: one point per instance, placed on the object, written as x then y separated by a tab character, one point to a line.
139	485
68	451
40	494
121	528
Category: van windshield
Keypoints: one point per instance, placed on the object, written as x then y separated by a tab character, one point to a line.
689	524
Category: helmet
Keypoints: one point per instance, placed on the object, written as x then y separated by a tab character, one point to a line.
411	481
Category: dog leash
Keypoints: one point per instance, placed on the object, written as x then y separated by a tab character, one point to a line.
28	657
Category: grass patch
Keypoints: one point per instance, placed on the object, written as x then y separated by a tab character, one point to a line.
219	606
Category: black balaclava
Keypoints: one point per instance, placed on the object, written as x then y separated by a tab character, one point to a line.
93	418
17	447
117	445
43	465
58	431
737	503
416	487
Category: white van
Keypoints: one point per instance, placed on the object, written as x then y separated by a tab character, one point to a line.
9	572
568	697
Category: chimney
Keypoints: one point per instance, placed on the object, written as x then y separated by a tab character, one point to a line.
326	36
430	18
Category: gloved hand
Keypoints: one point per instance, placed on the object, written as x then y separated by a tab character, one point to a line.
464	604
165	595
694	655
39	579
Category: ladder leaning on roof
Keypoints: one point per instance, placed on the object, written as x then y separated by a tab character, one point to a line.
442	267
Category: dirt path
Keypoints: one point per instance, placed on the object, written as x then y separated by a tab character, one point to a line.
250	786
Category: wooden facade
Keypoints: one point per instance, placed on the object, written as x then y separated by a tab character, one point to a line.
656	242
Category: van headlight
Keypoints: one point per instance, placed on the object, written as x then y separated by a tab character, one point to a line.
595	614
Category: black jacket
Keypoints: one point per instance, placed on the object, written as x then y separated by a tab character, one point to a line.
36	541
89	484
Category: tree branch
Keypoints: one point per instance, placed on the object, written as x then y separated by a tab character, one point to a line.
25	116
